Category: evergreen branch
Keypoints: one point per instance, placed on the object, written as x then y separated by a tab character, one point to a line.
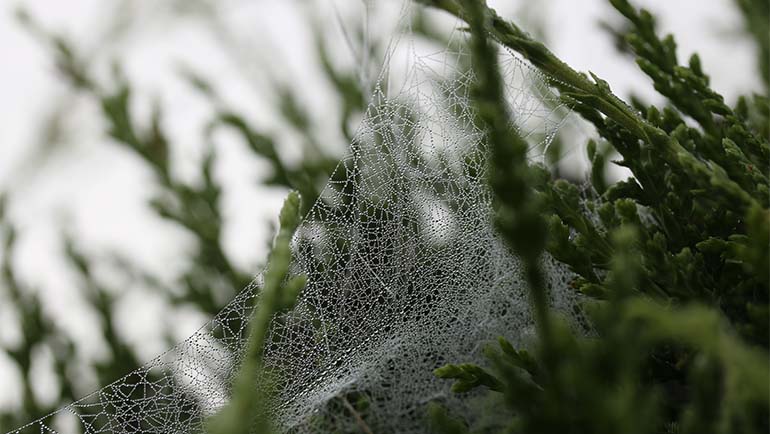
248	406
592	98
519	216
573	84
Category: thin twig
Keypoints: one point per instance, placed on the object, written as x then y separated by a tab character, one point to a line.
359	420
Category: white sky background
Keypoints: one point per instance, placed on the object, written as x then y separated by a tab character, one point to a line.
100	192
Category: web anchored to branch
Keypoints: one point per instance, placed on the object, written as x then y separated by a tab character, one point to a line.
405	272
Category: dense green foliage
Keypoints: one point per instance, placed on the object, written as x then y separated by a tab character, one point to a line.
673	261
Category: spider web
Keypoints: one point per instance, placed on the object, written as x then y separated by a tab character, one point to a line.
405	272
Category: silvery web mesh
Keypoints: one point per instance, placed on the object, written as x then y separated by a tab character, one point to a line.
406	272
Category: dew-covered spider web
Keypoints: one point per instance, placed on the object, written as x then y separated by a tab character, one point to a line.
405	272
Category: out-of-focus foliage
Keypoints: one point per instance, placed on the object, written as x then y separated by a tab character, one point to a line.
756	14
211	277
37	331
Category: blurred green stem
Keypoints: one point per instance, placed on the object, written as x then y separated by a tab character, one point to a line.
249	405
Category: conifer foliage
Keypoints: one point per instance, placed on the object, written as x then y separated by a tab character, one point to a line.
671	265
673	261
